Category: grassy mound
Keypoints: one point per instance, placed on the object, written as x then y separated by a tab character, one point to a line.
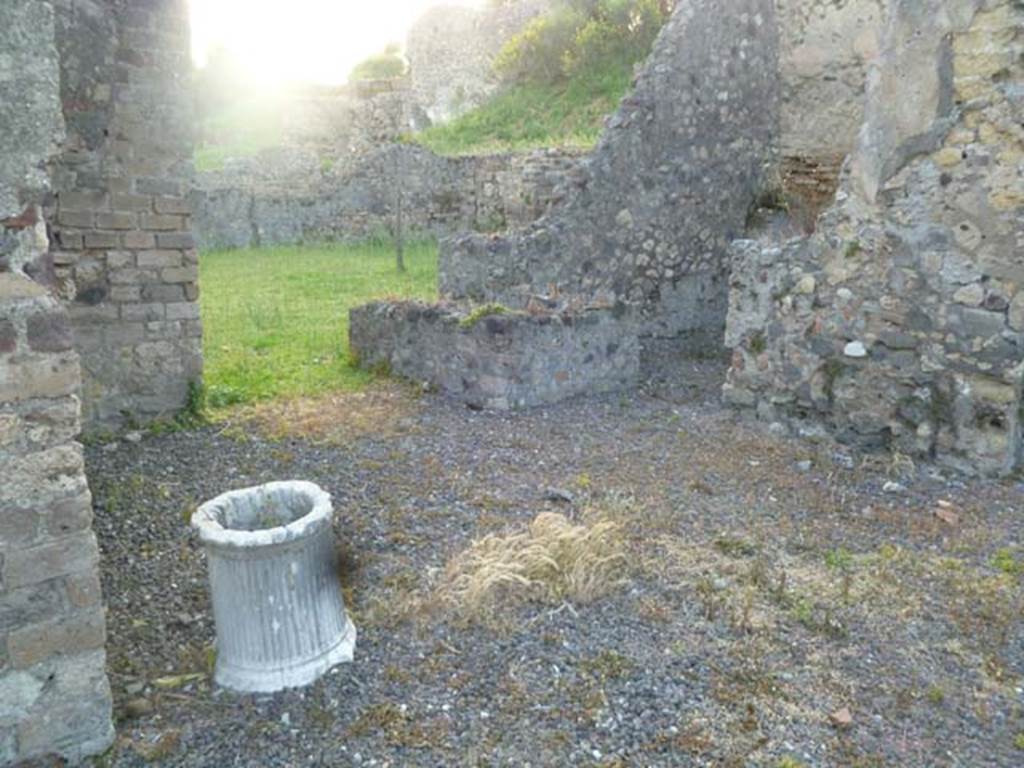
533	115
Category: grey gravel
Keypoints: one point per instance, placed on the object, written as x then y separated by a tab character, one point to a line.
644	677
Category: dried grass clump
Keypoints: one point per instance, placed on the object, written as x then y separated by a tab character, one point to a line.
332	419
554	560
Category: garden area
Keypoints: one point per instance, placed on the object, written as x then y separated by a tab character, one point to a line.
275	320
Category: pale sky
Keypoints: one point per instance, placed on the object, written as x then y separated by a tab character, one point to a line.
308	40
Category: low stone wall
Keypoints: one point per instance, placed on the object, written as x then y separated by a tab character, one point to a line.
286	196
54	695
501	361
900	323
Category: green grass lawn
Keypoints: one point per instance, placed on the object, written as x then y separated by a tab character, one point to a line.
275	320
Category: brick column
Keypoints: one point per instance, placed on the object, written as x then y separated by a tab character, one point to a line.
122	241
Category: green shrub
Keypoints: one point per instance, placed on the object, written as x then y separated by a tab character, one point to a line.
579	37
622	31
537	53
529	115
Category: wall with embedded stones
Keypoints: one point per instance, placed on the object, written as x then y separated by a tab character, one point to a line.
450	50
669	186
501	361
119	214
286	196
54	695
901	322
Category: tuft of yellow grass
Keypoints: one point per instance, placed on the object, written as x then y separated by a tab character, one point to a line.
554	560
332	418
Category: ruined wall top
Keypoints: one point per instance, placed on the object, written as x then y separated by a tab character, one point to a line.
669	185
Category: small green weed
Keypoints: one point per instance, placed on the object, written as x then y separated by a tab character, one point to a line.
1004	560
735	547
839	559
482	312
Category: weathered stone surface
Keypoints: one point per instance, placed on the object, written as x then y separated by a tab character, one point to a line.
827	50
33	644
503	360
48	332
29	101
71	716
668	187
50	613
919	254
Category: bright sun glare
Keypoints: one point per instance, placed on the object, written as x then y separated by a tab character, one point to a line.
277	41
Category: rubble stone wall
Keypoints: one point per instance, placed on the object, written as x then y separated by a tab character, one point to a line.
900	323
501	361
668	188
120	217
285	196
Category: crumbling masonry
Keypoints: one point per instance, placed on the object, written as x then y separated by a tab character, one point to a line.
119	212
900	323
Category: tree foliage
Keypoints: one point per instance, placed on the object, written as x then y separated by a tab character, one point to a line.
580	36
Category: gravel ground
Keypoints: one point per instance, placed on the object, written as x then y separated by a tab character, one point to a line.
780	607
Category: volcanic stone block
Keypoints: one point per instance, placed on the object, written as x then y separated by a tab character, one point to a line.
496	358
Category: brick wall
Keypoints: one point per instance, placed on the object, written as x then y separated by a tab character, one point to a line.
120	214
93	160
